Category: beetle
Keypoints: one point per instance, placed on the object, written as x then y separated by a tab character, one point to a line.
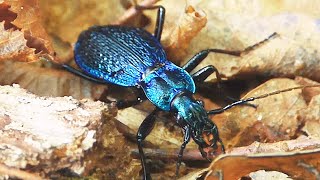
129	56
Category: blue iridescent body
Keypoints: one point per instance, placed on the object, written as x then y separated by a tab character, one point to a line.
129	56
103	52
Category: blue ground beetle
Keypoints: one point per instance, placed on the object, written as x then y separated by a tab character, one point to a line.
129	56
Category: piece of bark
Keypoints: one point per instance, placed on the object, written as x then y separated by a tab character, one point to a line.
43	134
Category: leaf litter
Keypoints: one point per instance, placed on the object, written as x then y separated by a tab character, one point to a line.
189	28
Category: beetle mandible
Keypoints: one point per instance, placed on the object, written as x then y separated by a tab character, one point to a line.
128	56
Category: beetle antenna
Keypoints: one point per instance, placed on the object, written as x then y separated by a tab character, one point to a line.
242	101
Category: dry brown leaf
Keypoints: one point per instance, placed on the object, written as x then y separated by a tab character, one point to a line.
308	93
311	117
288	157
182	23
48	82
236	25
67	19
275	118
22	36
176	38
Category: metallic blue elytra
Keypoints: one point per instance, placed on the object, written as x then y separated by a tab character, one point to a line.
116	54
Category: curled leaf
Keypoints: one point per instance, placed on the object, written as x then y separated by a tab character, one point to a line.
22	36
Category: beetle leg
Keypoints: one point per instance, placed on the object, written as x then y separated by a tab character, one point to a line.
82	74
186	139
143	131
205	72
122	104
222	146
199	57
203	153
160	19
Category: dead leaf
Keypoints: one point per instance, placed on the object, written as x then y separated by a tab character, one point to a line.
176	38
48	81
67	19
237	25
311	117
22	36
308	93
290	157
275	118
182	23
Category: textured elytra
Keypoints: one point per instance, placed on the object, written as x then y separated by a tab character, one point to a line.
119	55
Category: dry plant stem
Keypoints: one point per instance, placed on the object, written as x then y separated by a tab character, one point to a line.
16	173
132	12
172	154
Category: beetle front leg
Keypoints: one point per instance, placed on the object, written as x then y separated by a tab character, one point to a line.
143	131
186	139
160	19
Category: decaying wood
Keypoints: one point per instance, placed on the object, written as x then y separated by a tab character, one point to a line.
43	134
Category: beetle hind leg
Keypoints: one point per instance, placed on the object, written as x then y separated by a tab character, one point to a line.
160	19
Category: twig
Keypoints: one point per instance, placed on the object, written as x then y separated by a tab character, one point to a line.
168	154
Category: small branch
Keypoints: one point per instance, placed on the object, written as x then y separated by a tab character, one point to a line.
172	154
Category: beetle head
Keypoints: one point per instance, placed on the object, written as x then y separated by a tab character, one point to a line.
193	116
